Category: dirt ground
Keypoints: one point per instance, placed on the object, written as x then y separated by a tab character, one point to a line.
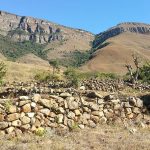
100	138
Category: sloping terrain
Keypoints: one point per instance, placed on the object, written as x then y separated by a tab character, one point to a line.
119	45
31	42
43	38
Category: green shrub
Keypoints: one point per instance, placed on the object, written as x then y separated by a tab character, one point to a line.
2	71
73	77
144	73
40	131
13	50
55	65
97	75
46	76
7	105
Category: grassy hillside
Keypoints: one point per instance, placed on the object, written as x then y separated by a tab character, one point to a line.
13	50
113	56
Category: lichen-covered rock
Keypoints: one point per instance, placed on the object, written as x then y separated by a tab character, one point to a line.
25	120
12	117
3	125
26	108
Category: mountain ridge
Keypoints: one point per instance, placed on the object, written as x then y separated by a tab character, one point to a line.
29	38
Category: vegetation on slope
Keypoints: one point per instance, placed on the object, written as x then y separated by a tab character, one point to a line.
13	50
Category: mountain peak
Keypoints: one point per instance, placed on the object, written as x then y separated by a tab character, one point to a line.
133	27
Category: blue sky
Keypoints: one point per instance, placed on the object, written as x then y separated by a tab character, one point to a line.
92	15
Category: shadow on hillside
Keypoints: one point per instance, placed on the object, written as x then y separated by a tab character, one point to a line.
146	101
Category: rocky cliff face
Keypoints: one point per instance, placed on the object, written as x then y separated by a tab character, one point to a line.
138	28
28	28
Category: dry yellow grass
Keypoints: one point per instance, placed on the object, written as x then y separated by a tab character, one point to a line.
113	57
73	40
103	137
23	72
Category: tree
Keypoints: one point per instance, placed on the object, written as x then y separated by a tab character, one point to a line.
133	75
144	73
55	65
73	77
2	71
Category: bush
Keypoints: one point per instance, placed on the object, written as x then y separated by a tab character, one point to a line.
97	75
2	71
73	77
46	76
40	131
144	73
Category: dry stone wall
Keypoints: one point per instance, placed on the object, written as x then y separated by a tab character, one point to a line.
67	110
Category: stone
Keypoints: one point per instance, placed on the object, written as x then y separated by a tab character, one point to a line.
122	114
103	120
36	97
31	114
25	120
127	105
132	130
70	123
26	108
61	110
60	118
33	104
3	125
132	101
65	104
12	109
37	123
21	103
130	116
2	133
47	103
26	126
139	103
142	125
13	117
73	105
65	95
52	114
86	116
95	113
94	107
82	88
16	123
109	97
109	114
81	126
10	130
2	117
71	115
77	112
115	101
95	118
18	132
101	114
65	120
128	110
100	101
136	110
24	97
22	114
91	124
86	109
32	120
45	111
117	106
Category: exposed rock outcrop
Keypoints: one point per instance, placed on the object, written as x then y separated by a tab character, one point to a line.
28	28
139	28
